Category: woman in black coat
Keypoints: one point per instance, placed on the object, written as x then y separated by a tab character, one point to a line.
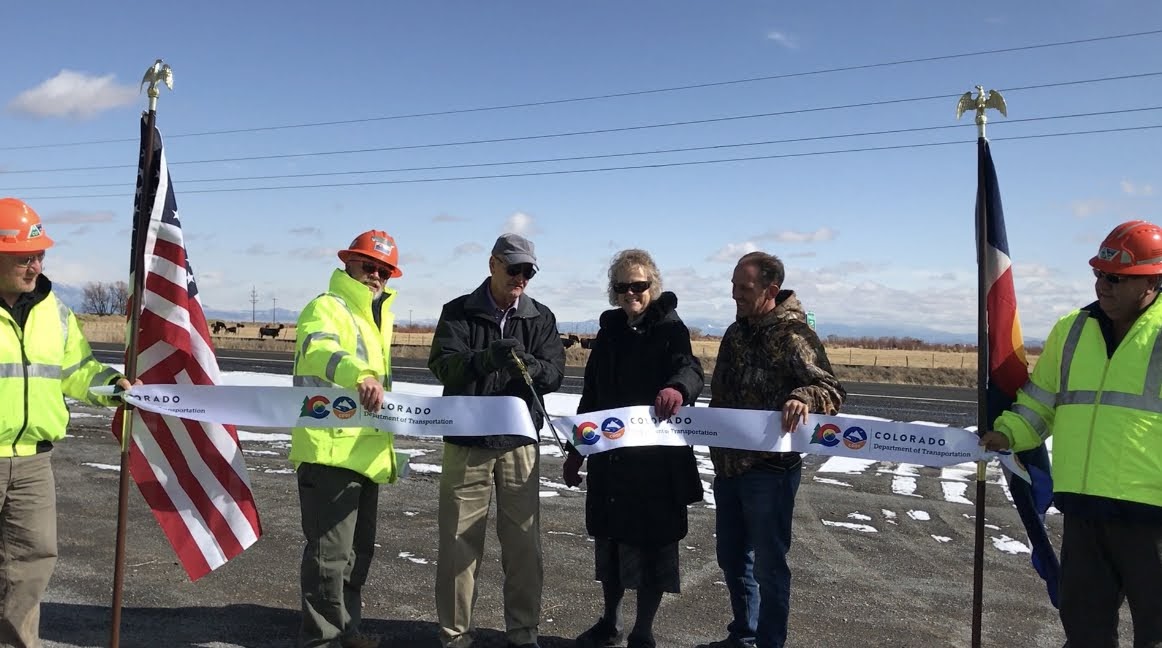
635	507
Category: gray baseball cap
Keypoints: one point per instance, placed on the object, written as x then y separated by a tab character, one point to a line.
514	248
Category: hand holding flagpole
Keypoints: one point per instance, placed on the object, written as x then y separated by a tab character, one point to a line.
157	73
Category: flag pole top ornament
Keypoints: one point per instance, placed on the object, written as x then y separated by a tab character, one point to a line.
159	72
982	102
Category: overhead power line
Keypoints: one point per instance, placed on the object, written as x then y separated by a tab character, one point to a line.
658	165
597	131
598	156
617	95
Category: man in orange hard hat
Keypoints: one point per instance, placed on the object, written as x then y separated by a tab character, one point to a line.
43	358
344	340
1097	389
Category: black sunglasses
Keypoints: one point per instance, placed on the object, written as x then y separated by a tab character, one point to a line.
374	268
1114	279
525	269
638	287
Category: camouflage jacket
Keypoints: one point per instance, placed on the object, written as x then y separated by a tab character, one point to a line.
763	363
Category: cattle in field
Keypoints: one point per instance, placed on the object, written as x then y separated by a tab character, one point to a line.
218	326
272	331
570	340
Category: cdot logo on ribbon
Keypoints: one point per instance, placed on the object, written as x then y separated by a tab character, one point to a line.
585	433
344	407
854	437
315	407
826	434
612	428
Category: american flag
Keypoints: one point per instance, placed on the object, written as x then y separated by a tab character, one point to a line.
192	475
1008	370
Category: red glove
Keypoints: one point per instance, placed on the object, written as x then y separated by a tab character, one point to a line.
667	402
571	472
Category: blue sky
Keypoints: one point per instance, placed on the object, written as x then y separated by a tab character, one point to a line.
869	238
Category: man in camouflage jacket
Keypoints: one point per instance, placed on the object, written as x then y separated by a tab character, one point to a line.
769	359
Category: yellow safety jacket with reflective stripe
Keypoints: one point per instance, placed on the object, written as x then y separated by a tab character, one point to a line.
39	365
338	345
1104	413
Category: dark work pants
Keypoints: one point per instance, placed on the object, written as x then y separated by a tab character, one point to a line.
1102	564
339	515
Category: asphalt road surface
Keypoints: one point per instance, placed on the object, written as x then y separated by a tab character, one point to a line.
882	553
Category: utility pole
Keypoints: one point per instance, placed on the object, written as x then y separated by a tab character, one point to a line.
253	305
409	318
274	310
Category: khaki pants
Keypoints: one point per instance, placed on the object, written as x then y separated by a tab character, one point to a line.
338	509
465	493
27	545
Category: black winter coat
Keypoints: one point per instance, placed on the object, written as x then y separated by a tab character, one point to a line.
466	328
639	495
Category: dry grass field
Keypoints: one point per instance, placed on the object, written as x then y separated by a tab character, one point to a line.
852	364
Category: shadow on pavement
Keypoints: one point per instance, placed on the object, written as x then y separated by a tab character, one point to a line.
247	626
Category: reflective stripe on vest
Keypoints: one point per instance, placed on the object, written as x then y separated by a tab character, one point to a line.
336	357
1148	400
18	370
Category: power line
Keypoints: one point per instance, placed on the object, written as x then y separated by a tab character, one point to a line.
658	165
599	156
617	95
598	131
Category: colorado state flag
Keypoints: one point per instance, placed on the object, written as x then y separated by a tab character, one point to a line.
1008	370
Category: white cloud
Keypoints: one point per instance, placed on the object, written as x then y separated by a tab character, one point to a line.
72	217
521	223
313	232
1087	208
318	252
259	249
730	252
783	38
1133	189
794	236
465	249
75	95
408	259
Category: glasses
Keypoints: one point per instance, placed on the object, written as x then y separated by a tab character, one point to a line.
638	287
525	269
24	262
384	272
1112	278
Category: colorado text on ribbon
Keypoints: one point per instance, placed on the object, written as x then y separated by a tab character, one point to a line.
593	432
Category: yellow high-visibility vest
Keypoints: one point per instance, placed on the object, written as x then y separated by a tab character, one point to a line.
1104	413
40	365
337	345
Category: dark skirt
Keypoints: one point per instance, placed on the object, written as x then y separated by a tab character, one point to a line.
634	567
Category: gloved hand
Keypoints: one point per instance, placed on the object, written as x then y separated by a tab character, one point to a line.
667	402
530	362
571	472
498	355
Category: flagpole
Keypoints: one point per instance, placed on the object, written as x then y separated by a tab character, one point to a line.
159	72
979	104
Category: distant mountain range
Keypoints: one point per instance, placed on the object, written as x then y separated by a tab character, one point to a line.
73	296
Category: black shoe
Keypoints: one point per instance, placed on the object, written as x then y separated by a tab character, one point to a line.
601	635
636	641
528	645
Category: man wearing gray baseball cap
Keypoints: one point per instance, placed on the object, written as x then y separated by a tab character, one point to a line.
474	352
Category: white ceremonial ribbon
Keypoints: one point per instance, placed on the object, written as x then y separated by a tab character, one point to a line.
286	407
590	433
837	436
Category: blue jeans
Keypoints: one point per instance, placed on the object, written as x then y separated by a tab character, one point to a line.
753	525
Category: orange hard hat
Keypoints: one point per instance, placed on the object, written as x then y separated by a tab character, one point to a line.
376	245
1132	248
20	228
